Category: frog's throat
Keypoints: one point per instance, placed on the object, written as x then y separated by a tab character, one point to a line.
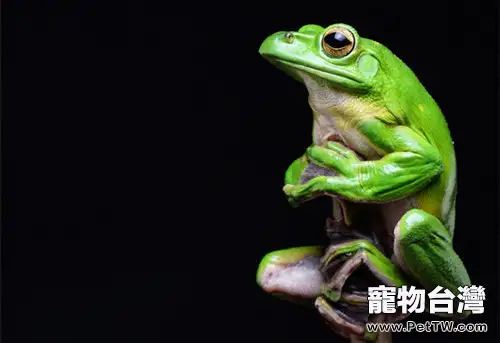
322	96
326	103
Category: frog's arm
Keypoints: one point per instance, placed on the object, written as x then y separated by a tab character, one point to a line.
410	163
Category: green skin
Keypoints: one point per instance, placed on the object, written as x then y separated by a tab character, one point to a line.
368	101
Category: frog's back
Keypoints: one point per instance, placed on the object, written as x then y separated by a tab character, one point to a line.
422	114
426	118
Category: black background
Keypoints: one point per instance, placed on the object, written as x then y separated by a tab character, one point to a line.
144	148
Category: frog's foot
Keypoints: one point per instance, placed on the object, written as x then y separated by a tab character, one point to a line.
292	274
349	268
342	260
423	248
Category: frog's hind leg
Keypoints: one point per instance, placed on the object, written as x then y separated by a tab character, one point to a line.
423	248
292	274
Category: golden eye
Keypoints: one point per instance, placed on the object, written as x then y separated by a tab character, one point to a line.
338	41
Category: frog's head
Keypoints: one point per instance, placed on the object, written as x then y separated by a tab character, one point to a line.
331	58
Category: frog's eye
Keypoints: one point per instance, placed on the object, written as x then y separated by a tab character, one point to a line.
338	41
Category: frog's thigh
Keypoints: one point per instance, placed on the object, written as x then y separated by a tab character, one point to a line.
423	247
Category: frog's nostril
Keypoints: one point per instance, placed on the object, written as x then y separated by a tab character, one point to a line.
289	37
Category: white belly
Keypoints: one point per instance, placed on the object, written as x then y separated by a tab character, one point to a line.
327	127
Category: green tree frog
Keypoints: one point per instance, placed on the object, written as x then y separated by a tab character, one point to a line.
386	139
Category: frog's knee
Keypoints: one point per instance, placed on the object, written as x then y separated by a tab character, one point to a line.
414	218
365	244
413	226
292	273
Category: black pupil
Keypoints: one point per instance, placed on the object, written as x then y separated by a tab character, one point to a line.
337	40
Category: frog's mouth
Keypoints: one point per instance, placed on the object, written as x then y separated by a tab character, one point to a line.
317	71
335	75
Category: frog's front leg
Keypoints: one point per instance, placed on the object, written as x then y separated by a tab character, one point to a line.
423	248
410	164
